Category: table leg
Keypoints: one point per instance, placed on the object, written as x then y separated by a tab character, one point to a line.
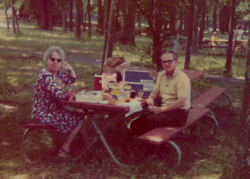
99	132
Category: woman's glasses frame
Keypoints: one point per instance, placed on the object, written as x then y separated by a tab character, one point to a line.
59	60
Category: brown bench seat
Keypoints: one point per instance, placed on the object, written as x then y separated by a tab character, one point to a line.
207	97
162	134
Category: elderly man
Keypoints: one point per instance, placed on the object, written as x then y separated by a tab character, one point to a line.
173	86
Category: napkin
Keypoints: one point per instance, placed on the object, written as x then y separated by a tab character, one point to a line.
134	105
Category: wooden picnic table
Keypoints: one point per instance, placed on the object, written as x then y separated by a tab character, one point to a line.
90	109
222	43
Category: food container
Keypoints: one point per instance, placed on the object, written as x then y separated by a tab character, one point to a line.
113	96
127	91
90	96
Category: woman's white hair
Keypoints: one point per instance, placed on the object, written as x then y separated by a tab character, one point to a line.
51	50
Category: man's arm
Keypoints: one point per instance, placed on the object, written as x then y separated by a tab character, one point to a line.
153	95
180	102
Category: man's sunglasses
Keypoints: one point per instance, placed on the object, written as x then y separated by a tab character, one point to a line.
58	60
167	61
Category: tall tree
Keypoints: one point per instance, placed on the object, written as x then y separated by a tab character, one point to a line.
190	33
79	18
131	20
195	29
228	64
241	164
202	26
6	14
109	43
13	16
71	3
89	19
215	16
157	13
106	17
100	18
45	14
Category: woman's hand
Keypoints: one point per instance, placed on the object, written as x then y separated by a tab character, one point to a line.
66	67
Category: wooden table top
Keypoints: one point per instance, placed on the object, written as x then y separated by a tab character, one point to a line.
98	106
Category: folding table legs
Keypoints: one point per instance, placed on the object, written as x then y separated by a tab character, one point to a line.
99	132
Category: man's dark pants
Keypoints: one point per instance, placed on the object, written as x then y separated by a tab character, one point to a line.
150	121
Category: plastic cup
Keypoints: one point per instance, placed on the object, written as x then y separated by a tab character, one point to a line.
132	93
140	93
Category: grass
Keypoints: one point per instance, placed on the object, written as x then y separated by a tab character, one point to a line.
201	159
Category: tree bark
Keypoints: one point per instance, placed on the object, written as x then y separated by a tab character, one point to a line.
79	18
190	32
241	164
89	19
202	27
71	15
64	19
131	24
228	64
110	35
13	17
17	25
6	14
195	41
100	17
45	14
122	35
215	17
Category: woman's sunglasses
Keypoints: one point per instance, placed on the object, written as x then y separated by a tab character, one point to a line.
58	60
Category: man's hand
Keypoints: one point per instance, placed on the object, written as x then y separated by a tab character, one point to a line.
150	101
154	109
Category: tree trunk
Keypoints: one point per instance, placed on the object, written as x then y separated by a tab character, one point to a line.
79	16
122	35
139	23
207	22
6	14
241	165
131	22
71	3
190	32
89	19
181	24
215	17
228	64
100	17
64	19
110	34
202	27
106	17
13	17
45	14
173	14
17	25
186	23
195	41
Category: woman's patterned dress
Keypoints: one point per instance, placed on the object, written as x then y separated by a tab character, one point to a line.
47	93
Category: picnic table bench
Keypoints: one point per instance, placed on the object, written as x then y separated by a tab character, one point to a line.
199	110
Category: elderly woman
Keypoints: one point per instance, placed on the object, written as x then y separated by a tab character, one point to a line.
48	91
